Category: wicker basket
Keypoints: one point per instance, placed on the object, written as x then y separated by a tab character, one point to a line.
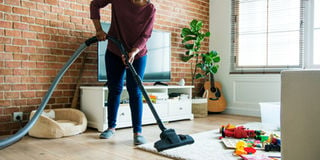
199	107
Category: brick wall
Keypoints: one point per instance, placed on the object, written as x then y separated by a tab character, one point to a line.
37	37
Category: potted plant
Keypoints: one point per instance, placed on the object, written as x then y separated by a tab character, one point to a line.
206	62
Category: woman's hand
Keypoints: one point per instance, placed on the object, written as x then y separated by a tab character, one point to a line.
131	55
101	35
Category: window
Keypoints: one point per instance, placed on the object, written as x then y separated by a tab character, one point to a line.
269	35
316	33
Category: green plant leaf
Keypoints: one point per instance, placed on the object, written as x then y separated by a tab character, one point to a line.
189	52
207	34
186	31
216	59
188	38
188	46
186	58
199	25
199	76
214	53
193	25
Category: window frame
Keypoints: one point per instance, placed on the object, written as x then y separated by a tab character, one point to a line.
306	43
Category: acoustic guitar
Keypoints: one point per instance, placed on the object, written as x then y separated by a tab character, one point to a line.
216	100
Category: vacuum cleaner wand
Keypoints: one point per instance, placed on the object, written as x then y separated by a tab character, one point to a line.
169	138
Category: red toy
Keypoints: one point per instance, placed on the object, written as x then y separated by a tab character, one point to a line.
237	132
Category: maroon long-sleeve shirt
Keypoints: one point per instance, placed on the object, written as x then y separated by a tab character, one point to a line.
130	23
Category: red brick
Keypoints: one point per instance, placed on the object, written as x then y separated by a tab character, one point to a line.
19	87
13	33
20	72
11	95
36	13
33	101
43	36
27	19
20	56
5	8
36	28
11	17
4	87
29	65
5	24
13	64
19	10
28	94
15	79
43	7
35	72
19	102
27	34
28	80
17	41
27	49
5	40
52	2
28	4
10	48
35	43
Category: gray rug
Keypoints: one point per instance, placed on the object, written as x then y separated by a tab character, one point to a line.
207	146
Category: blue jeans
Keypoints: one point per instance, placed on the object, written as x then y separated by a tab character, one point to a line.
115	73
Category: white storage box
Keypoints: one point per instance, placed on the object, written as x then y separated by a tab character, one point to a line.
270	113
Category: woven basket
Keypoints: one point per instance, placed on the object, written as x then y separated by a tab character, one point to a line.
199	108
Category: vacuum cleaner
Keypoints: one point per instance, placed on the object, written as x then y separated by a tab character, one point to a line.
169	138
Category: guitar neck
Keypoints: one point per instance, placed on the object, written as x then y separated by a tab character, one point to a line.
212	88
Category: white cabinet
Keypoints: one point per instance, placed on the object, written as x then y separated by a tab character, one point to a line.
93	100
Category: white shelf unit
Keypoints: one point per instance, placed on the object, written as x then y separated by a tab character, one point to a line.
93	99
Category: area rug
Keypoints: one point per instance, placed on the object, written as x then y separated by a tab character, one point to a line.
208	146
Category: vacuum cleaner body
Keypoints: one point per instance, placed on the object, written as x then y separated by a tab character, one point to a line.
169	139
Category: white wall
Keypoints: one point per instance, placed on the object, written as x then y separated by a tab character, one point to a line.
243	92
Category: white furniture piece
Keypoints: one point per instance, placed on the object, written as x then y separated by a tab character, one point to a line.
270	113
93	103
300	114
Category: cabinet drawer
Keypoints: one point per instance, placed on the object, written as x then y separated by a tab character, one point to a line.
179	107
124	114
161	109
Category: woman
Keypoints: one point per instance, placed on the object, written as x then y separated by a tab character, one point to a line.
132	23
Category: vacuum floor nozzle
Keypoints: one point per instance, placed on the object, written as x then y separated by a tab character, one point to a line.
169	139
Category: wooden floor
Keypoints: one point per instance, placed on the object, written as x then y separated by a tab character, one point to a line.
88	146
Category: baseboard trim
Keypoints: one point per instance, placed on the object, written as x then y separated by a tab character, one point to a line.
243	111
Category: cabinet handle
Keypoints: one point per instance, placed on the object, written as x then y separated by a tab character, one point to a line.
180	108
122	114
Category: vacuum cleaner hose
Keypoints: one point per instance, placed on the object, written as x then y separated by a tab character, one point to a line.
22	132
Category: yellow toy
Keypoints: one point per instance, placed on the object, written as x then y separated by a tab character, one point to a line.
240	148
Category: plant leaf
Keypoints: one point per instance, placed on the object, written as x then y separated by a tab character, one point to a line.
188	38
199	76
186	58
185	32
207	34
216	59
199	25
188	46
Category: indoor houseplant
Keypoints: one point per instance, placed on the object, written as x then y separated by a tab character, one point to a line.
206	64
